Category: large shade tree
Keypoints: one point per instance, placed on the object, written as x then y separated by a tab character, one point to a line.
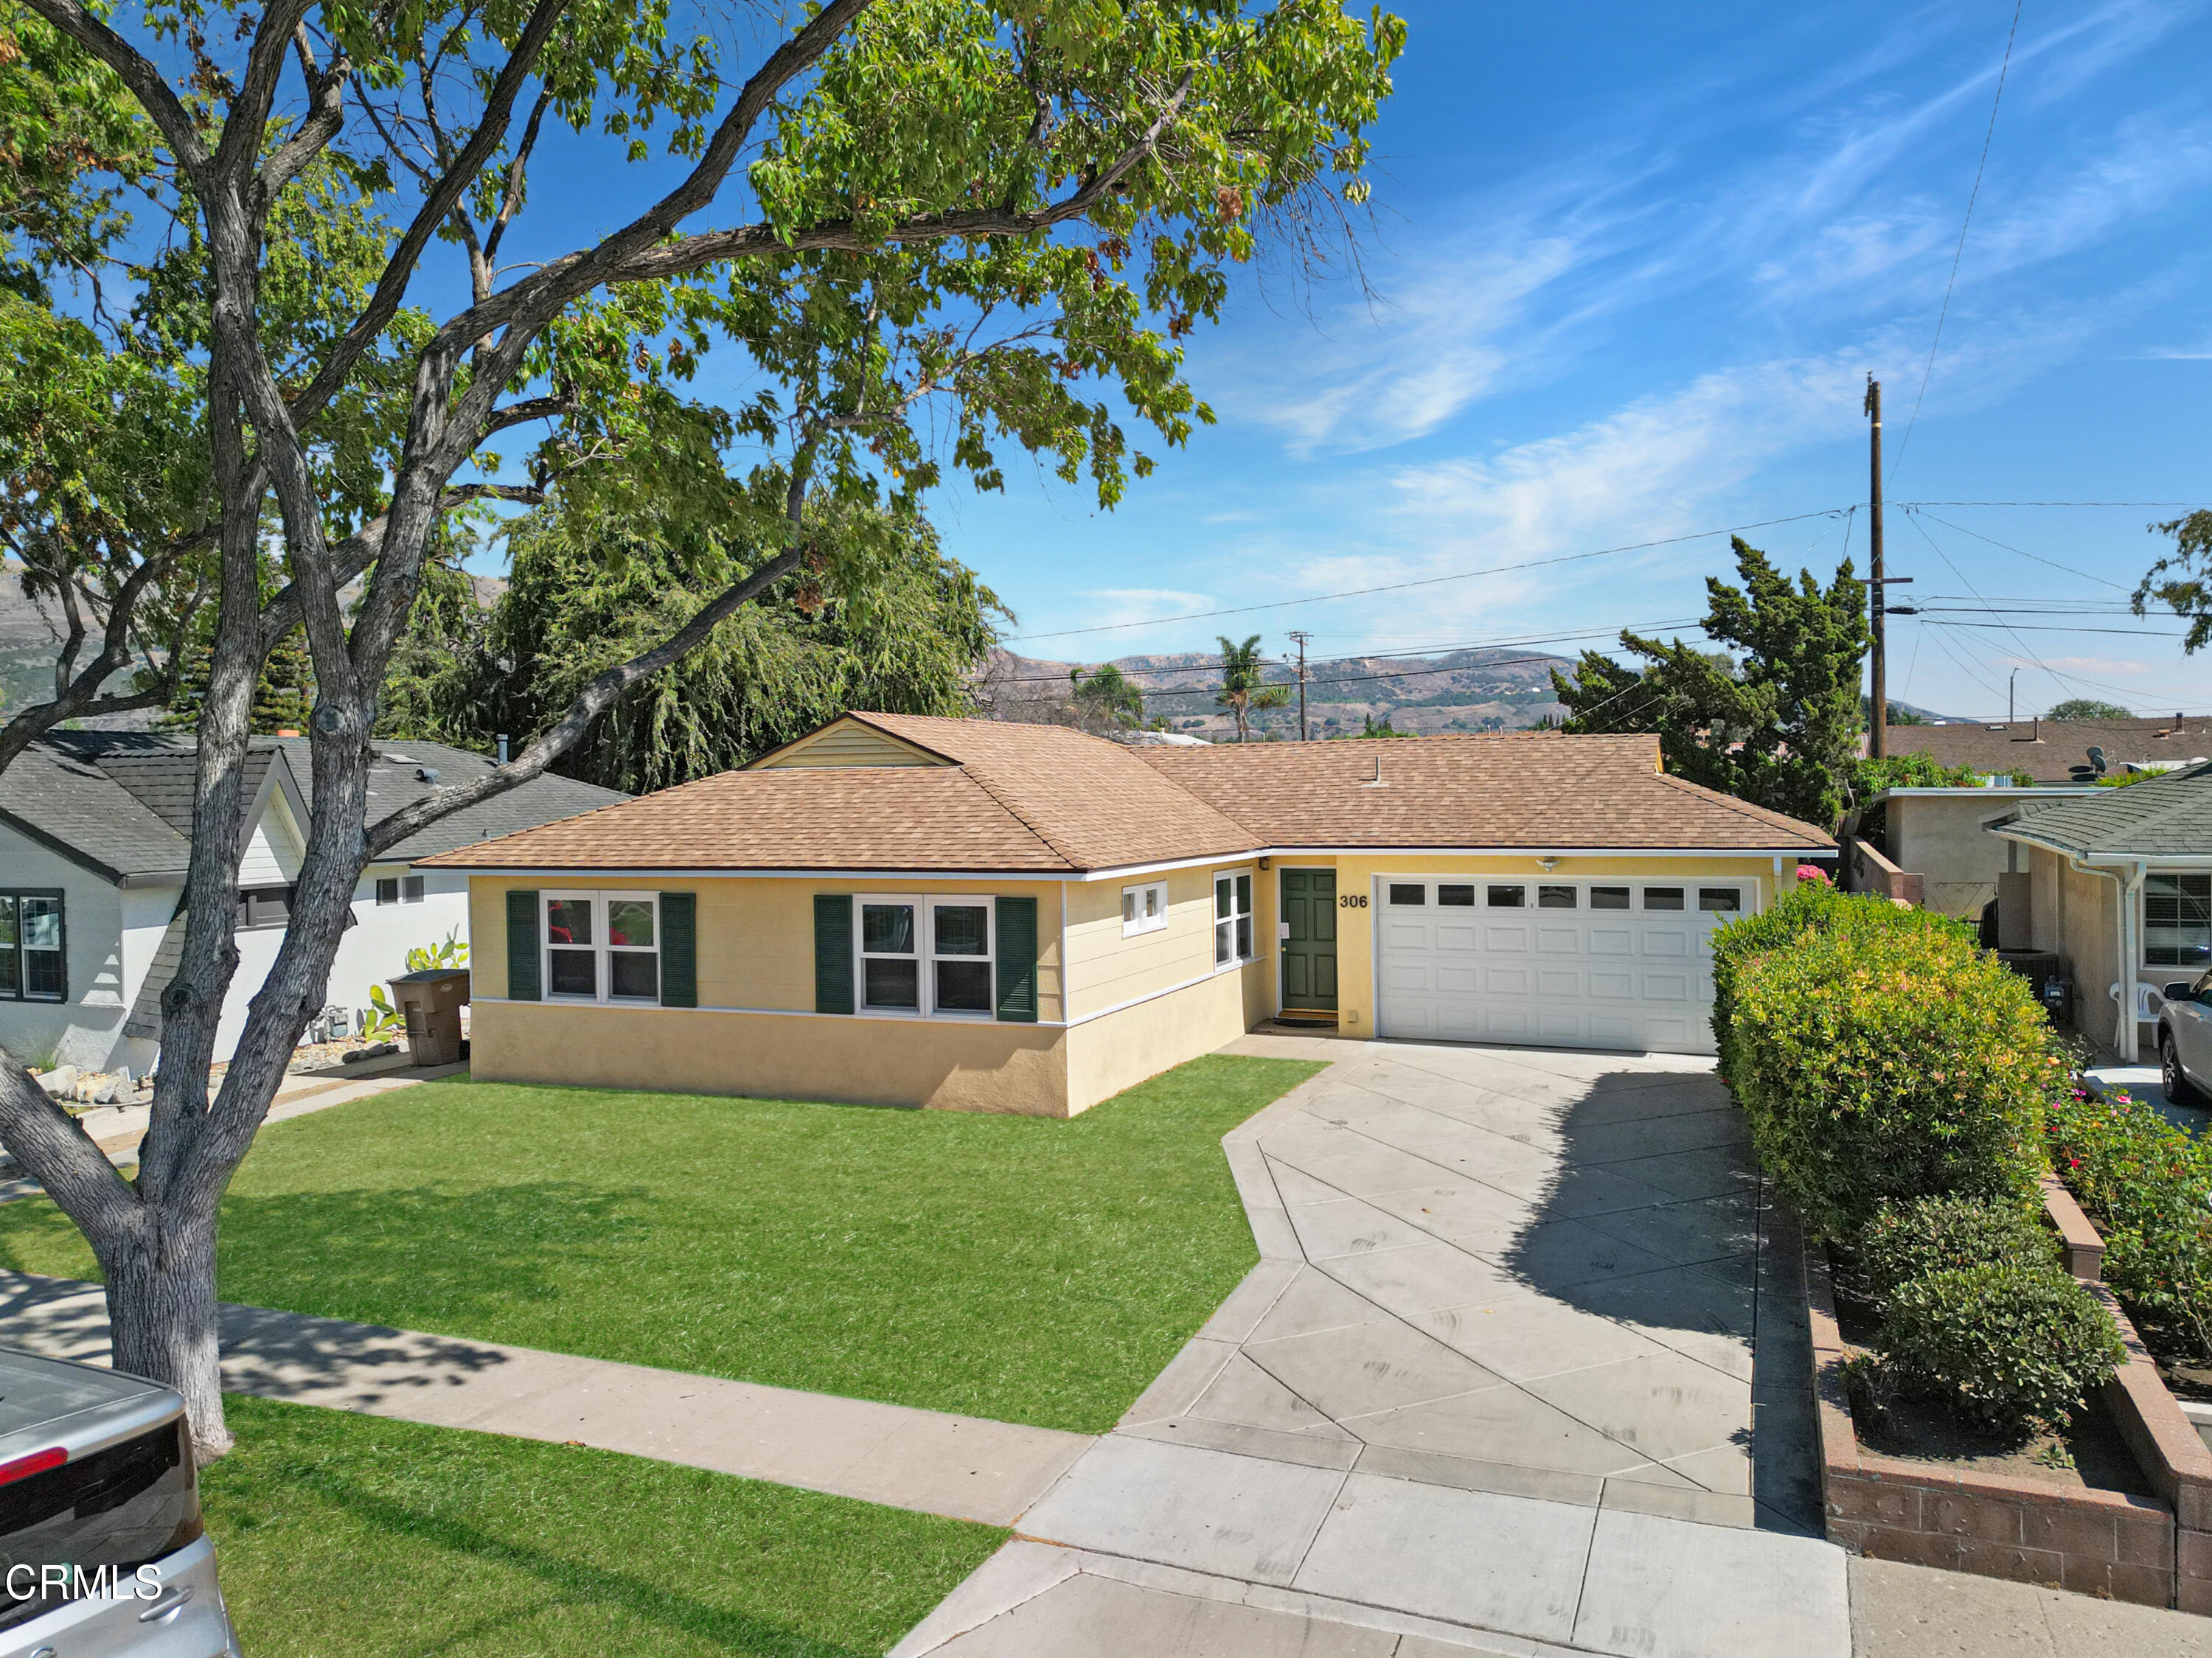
929	231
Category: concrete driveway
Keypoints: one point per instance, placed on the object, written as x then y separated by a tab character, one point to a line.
1519	1369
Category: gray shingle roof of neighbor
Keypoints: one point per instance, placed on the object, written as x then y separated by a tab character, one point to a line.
121	802
2164	817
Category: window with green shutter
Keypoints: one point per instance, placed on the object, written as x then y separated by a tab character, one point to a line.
1017	958
679	949
833	952
523	983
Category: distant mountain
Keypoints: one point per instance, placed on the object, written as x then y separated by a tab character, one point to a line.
1461	691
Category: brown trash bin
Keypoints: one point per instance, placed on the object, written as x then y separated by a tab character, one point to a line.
430	1001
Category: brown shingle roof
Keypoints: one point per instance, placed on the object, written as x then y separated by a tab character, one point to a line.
1502	789
1051	800
2048	749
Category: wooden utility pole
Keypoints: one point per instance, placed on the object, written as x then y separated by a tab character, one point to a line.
1302	638
1878	716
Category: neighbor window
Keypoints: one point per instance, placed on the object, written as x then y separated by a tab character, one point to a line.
1507	897
603	947
1145	909
1662	897
1232	919
1608	898
2177	920
1408	892
1456	897
1720	898
387	890
264	907
410	890
925	956
31	944
1555	897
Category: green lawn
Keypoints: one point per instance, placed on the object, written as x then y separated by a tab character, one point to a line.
1020	1268
345	1536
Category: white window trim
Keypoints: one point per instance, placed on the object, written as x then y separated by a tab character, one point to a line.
1134	918
603	951
1217	920
924	958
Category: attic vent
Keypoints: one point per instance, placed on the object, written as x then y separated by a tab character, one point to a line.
427	773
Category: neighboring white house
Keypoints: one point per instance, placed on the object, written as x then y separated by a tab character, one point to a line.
94	841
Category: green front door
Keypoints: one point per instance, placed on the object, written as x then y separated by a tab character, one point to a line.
1310	948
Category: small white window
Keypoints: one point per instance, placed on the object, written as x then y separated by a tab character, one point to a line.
1232	918
602	946
1145	909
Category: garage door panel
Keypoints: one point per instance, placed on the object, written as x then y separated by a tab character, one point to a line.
1637	980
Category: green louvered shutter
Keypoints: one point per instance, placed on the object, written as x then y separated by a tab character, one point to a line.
679	949
833	953
522	984
1018	953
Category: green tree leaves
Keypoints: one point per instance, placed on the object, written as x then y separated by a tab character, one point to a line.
1778	725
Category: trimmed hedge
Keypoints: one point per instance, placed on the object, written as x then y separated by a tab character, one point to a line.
1880	1062
2010	1344
1942	1233
1810	908
2147	1184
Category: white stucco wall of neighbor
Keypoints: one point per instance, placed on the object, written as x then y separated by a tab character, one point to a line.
115	937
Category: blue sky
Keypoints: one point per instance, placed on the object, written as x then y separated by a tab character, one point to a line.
1629	268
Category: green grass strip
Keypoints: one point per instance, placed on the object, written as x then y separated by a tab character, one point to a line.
345	1536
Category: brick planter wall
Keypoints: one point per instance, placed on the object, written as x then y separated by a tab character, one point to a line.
2154	1551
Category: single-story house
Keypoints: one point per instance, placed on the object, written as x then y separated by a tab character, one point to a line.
1941	835
95	834
1024	918
2120	890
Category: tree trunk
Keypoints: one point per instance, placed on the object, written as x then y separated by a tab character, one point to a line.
162	1317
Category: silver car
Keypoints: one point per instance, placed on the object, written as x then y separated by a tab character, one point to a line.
102	1553
2184	1041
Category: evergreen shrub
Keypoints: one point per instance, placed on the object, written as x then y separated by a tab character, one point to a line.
1909	1241
2011	1345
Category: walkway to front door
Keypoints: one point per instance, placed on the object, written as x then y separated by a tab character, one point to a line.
1492	1381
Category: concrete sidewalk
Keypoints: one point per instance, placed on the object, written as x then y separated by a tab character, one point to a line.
962	1466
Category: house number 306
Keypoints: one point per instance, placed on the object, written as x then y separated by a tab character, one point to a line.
1352	901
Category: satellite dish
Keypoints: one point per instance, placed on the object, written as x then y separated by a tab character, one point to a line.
2097	760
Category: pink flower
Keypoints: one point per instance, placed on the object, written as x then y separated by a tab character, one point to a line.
1811	873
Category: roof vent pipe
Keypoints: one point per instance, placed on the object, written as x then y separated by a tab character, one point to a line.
502	747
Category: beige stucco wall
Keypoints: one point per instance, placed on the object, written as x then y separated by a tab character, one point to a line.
1942	839
1121	1049
2076	915
953	1065
756	937
1355	929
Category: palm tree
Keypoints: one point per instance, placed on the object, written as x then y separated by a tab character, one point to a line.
1243	691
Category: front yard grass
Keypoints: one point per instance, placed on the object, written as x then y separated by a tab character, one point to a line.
1018	1268
345	1536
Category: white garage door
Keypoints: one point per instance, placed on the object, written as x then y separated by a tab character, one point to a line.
1555	964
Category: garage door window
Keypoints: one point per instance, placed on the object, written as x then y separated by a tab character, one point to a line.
1662	897
1555	897
1402	893
1509	897
1608	898
1456	897
1716	899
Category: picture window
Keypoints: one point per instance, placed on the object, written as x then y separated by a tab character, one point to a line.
602	946
927	957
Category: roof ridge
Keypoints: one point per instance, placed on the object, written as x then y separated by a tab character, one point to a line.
1015	812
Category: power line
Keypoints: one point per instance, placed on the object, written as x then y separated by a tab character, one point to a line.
2036	557
1959	252
2007	627
1427	581
1969	587
1910	505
